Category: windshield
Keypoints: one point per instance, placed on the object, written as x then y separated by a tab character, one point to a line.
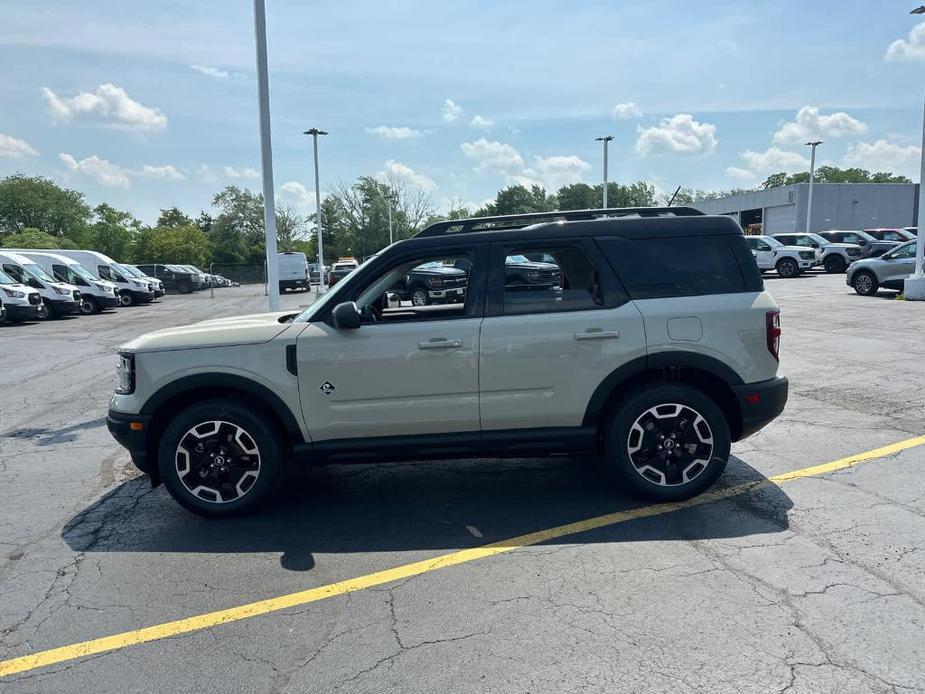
820	240
6	279
34	269
771	241
516	259
130	271
316	307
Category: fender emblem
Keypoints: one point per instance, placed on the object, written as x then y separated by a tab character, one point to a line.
327	388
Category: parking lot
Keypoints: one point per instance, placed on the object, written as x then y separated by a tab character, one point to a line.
776	582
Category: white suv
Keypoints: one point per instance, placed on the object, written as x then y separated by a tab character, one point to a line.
654	348
833	256
771	254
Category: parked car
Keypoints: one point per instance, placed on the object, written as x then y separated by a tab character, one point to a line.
95	294
771	254
316	272
156	285
520	271
20	302
341	269
293	271
2	310
174	278
870	247
886	272
58	298
834	257
433	283
200	279
131	291
891	234
658	348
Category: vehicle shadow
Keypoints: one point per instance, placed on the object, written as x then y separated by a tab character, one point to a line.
420	506
51	437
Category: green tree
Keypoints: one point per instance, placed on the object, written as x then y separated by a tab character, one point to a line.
578	196
290	229
39	203
519	200
173	217
33	238
113	232
183	244
833	174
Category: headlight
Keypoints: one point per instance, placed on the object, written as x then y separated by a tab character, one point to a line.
138	284
59	290
125	370
13	293
101	287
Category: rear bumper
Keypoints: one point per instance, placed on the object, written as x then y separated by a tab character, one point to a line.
135	441
760	403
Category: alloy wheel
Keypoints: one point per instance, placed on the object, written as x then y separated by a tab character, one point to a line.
217	461
863	283
670	444
419	298
42	313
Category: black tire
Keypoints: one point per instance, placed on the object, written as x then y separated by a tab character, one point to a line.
835	264
45	312
865	283
228	417
787	268
185	288
630	454
89	306
419	296
127	299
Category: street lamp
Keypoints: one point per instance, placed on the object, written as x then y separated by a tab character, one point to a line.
315	132
266	154
812	175
606	139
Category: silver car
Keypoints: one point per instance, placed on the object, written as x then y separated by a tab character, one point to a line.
886	272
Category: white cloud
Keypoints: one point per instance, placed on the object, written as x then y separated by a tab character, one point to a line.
809	125
772	160
394	133
490	154
680	134
100	170
910	48
626	111
246	172
557	171
109	104
217	72
15	148
883	155
451	111
106	173
740	174
482	123
395	170
297	193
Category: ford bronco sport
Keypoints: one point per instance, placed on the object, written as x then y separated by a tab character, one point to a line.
655	351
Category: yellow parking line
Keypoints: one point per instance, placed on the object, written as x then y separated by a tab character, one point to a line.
261	607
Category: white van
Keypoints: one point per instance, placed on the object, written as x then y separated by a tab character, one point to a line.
156	285
95	294
19	301
131	291
293	271
58	298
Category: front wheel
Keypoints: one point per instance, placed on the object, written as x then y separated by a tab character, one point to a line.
865	283
788	268
220	458
44	312
666	443
835	264
127	299
89	306
419	297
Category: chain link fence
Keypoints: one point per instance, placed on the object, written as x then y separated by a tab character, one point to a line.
242	274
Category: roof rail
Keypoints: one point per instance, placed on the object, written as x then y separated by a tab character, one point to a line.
519	221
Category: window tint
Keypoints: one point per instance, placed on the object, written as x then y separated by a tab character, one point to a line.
907	252
680	266
104	272
14	271
556	278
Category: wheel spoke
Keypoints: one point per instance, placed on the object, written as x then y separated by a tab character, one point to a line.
217	461
670	444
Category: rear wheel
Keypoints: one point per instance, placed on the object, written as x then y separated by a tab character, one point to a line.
220	458
787	267
666	442
865	283
835	264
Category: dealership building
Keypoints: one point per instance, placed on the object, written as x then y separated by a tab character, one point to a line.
835	206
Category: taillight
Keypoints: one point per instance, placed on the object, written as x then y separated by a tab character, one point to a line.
772	325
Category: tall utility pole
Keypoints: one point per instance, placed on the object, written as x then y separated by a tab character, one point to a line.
914	285
606	139
315	132
812	176
390	219
266	154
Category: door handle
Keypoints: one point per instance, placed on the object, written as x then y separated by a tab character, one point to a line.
598	334
440	343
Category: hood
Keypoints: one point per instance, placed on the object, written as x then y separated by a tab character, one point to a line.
533	265
835	244
795	248
222	332
445	270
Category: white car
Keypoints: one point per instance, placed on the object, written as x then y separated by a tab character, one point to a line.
835	257
19	301
95	294
58	298
771	254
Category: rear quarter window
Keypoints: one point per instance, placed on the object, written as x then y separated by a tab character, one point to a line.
682	266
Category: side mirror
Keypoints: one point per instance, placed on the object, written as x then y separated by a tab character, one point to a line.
35	284
392	300
346	316
862	242
814	244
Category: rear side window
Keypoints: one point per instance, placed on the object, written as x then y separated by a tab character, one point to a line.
681	266
550	278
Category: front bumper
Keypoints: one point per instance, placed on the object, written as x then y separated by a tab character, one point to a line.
20	312
456	294
105	301
142	297
134	440
760	403
62	307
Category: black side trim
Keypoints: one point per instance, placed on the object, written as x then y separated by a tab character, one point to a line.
768	400
601	394
135	441
292	364
230	381
695	361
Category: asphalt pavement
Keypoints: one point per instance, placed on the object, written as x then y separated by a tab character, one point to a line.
806	584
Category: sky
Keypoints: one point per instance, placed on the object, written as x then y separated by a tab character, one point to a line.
151	105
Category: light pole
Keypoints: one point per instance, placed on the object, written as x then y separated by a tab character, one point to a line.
315	132
812	175
390	219
606	139
266	154
914	285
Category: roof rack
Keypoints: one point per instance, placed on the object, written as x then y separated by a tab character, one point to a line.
519	221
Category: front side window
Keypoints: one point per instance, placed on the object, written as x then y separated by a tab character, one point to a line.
550	278
905	252
104	272
15	272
